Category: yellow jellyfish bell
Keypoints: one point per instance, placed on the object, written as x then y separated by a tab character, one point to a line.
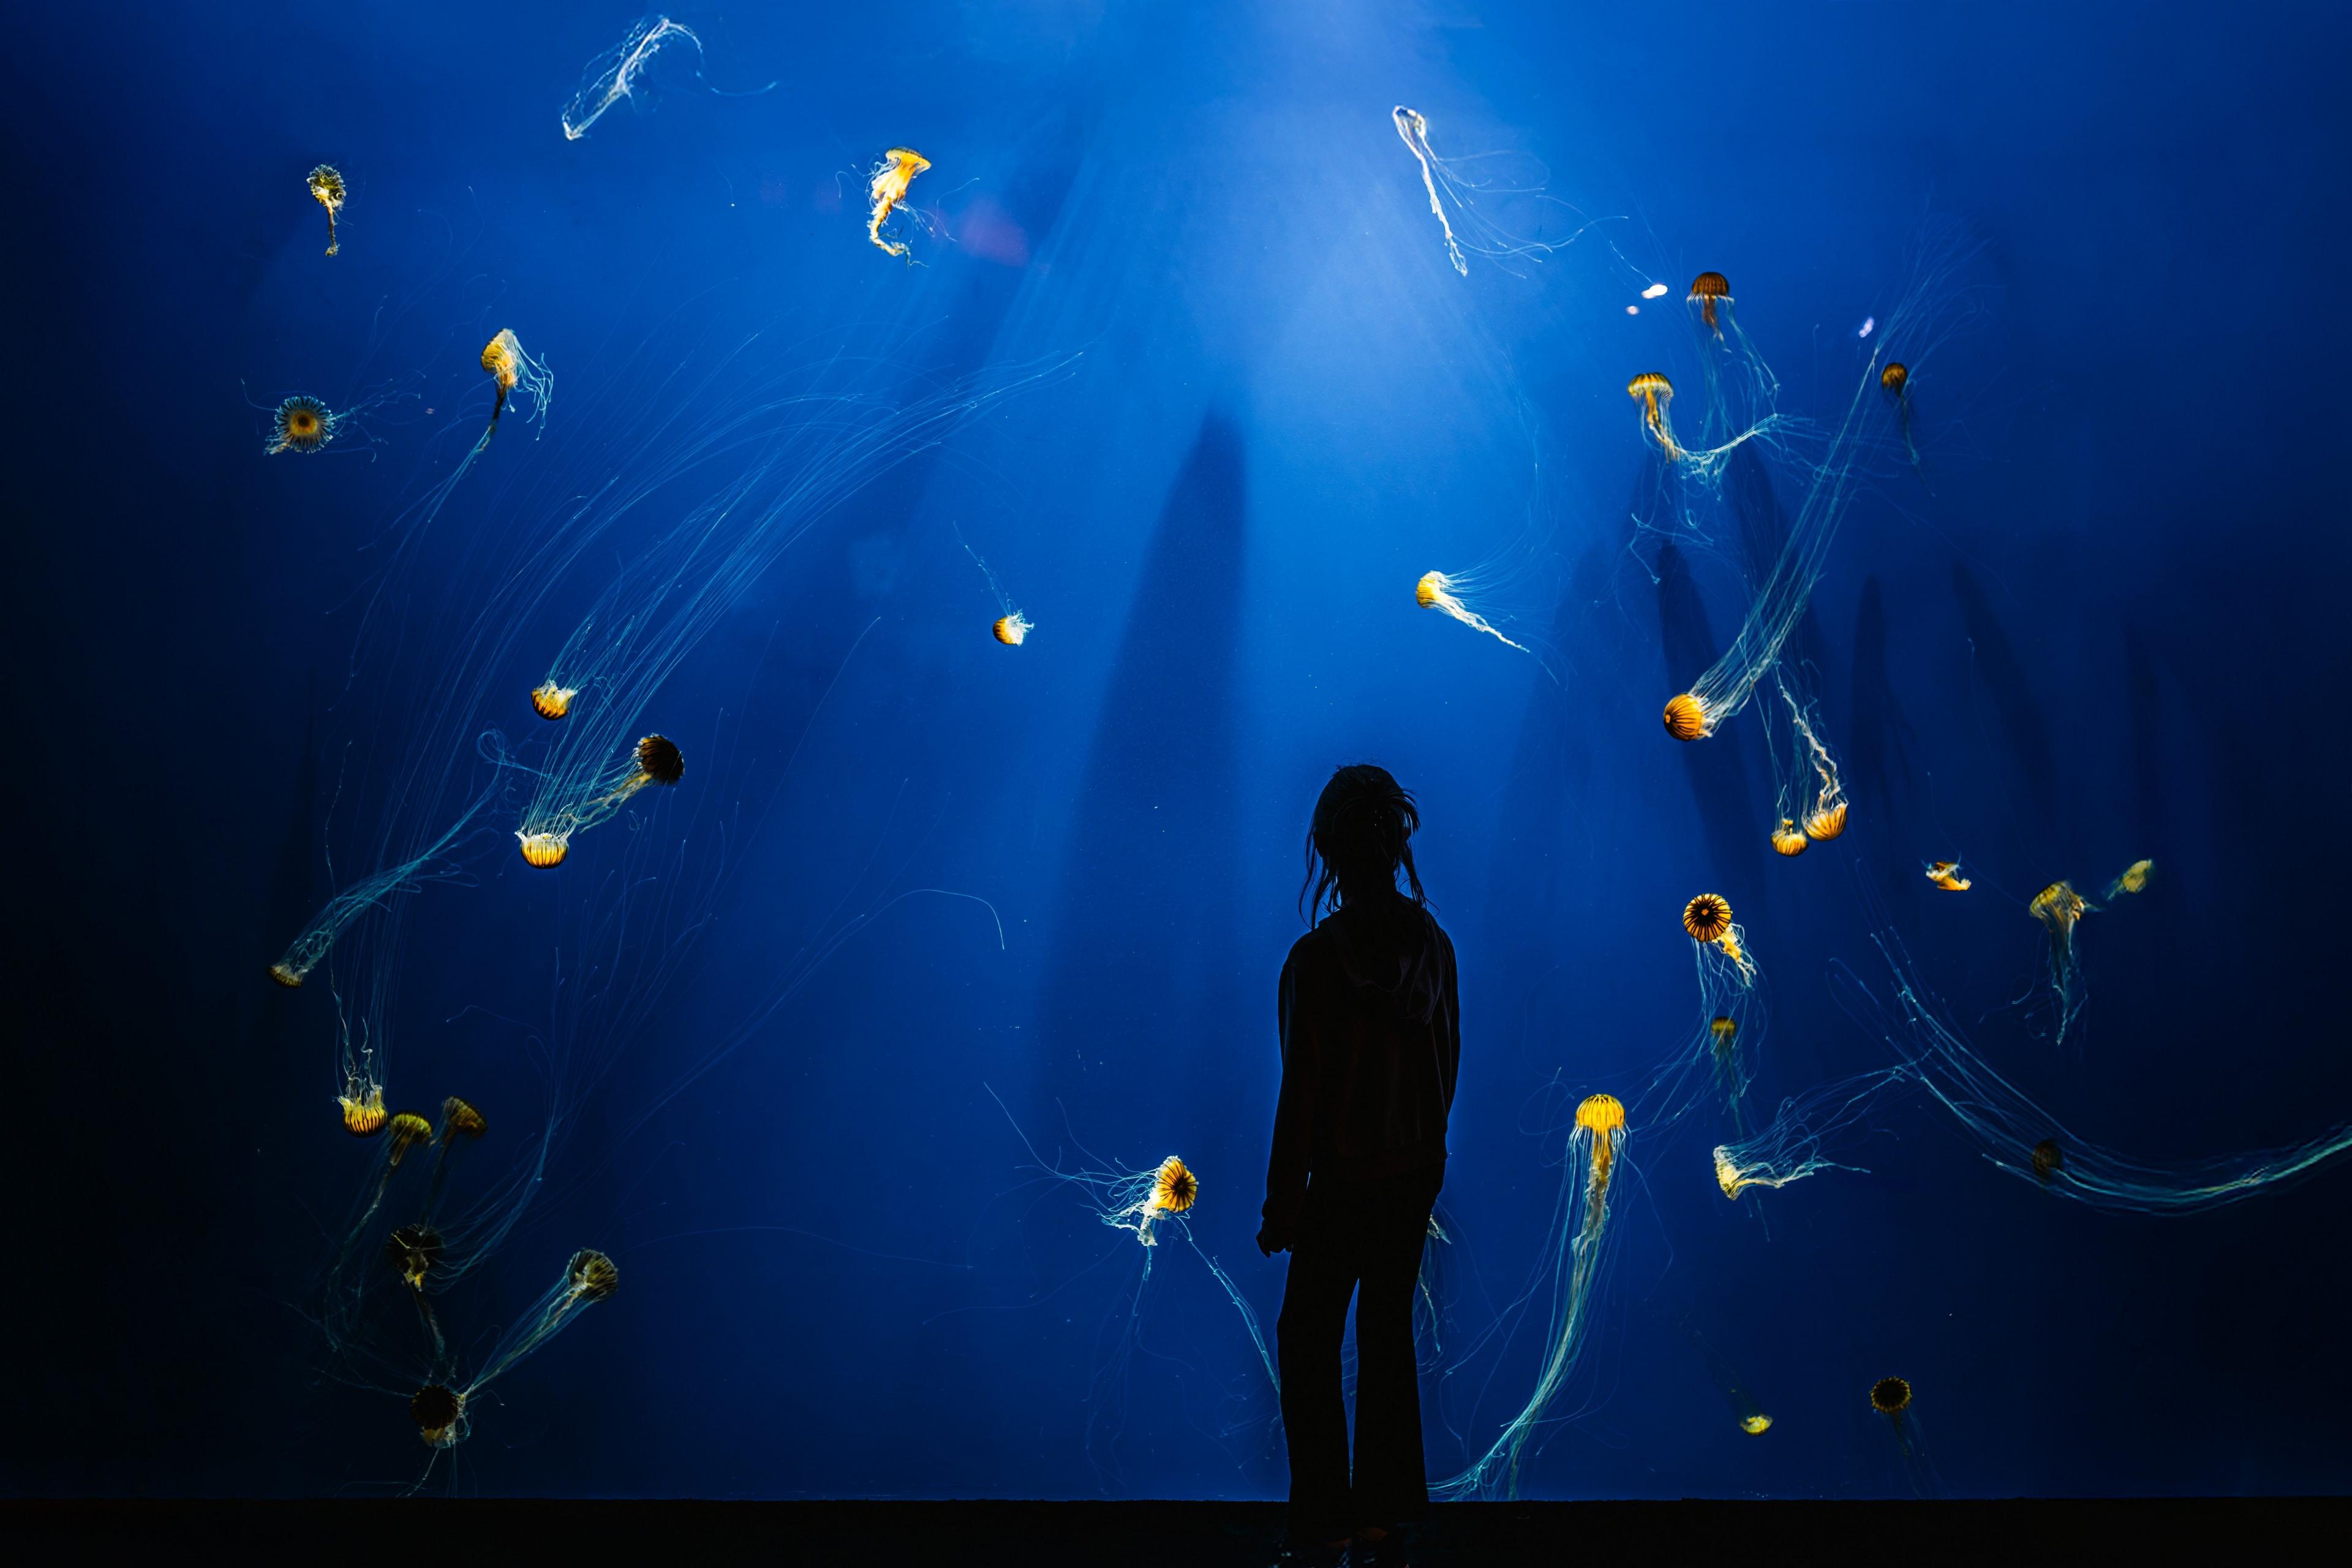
1603	1116
1787	840
1687	718
1173	1187
1707	917
1013	629
1756	1426
1654	391
363	1113
1826	822
1946	874
550	700
327	190
544	850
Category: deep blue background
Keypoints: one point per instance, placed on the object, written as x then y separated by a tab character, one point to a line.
2113	630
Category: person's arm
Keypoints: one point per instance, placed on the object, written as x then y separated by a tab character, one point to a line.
1293	1117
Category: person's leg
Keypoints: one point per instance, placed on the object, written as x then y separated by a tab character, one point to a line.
1391	1483
1314	1414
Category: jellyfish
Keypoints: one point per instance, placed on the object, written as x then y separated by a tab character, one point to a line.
413	1250
1577	1250
440	1408
1801	1135
1785	588
341	1292
1453	192
2132	879
552	701
1788	840
1895	381
514	371
1655	393
2018	1136
1707	920
460	1121
1746	1412
1946	874
301	424
2060	909
1891	1398
1810	792
364	1113
1723	1033
327	190
2048	1160
613	75
1436	591
547	827
887	190
1711	292
1012	628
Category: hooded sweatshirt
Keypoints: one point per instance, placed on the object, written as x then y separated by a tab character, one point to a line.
1371	1040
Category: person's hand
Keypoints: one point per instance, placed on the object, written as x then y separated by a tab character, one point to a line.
1273	1238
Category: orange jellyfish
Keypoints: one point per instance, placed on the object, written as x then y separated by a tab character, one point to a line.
1655	392
1707	291
545	837
1173	1187
897	170
2060	909
2133	879
1895	381
327	190
1946	874
1895	378
363	1113
1687	718
544	851
1826	820
515	373
1707	920
1604	1117
550	700
1788	839
301	424
1012	630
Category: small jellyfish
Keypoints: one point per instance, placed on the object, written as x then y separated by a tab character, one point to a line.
437	1409
2048	1158
1724	1030
408	1130
897	170
1890	1396
544	851
1826	822
515	371
413	1250
459	1119
2133	879
1438	591
1011	630
301	424
1895	381
327	190
591	1275
1893	378
613	75
1656	392
1788	840
286	975
1946	874
1756	1424
363	1113
550	700
1687	718
2060	909
1709	292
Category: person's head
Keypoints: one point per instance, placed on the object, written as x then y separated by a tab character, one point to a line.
1360	838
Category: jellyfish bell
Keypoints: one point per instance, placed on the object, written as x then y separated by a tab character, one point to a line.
459	1119
1603	1116
1013	629
1826	822
1173	1187
435	1409
407	1131
1687	718
1946	874
550	700
1890	1396
2048	1158
301	424
326	189
1788	839
285	976
1756	1426
1724	1030
591	1275
1708	292
2133	879
1707	917
544	851
1430	592
364	1114
413	1250
659	759
1654	391
1895	378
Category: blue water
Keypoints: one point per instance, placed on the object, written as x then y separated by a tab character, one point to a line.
1237	402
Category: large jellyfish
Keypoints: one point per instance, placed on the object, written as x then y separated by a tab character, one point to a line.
327	190
1454	186
2019	1136
564	806
1786	588
515	373
1576	1251
887	190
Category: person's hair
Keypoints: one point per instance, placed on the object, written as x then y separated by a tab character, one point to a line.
1360	837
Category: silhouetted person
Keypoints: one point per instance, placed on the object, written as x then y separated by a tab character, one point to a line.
1371	1041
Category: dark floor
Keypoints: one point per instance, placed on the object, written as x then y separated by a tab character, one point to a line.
1196	1534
